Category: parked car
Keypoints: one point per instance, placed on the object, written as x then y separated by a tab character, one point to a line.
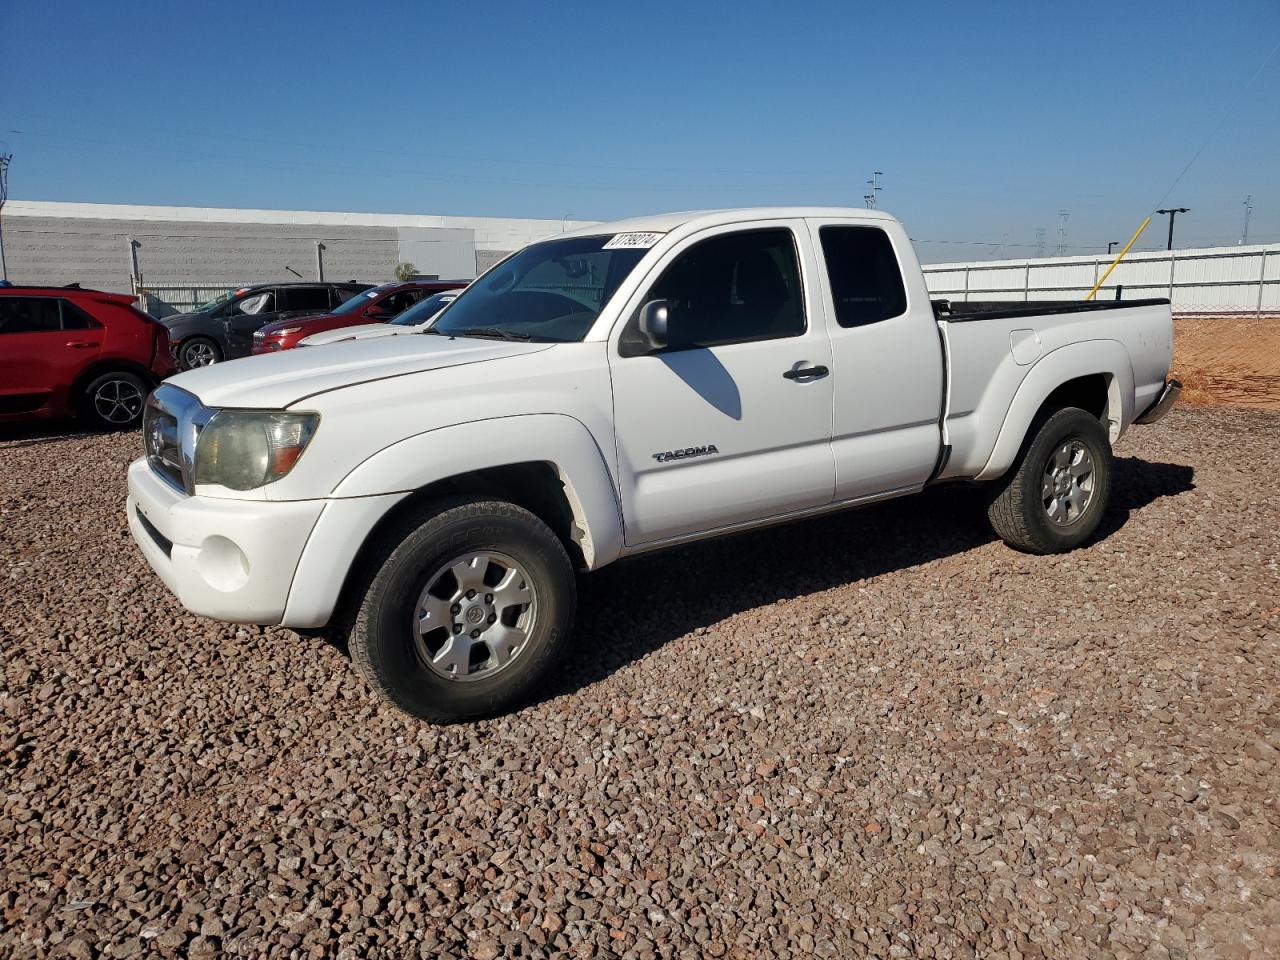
611	391
223	328
67	351
379	305
414	320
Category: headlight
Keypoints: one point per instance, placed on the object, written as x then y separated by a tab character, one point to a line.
245	449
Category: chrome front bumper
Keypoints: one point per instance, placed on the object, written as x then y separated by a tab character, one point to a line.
1164	403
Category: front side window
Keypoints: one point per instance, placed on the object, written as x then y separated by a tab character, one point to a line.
257	303
733	288
866	282
551	291
29	315
398	302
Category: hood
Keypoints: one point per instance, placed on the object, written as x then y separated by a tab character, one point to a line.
173	318
309	320
364	331
276	380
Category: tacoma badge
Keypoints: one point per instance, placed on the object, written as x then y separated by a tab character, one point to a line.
686	453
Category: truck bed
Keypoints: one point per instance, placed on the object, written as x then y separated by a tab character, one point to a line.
1000	369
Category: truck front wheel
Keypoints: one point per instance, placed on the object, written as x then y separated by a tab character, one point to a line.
464	616
1054	497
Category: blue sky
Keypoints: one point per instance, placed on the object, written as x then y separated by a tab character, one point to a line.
987	119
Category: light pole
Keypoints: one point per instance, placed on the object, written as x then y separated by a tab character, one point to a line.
1110	245
5	157
1173	213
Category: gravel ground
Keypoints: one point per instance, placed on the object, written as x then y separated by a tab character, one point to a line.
880	734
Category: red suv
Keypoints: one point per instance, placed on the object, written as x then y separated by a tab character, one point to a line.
377	305
66	351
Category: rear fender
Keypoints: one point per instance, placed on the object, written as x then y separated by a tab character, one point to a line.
1086	358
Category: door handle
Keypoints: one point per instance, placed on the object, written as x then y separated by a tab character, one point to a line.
806	374
81	344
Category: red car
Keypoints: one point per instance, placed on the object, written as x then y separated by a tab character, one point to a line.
65	351
372	306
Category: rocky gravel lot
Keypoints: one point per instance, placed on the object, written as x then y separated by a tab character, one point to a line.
882	734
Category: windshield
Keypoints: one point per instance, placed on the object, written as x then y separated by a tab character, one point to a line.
358	302
210	304
424	310
550	291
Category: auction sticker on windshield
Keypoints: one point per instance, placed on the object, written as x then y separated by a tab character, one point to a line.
632	241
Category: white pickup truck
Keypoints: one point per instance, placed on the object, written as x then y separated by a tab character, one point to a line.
614	390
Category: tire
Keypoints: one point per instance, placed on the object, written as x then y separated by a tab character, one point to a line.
199	352
1056	494
428	672
114	401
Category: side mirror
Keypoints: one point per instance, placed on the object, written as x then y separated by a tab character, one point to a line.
654	317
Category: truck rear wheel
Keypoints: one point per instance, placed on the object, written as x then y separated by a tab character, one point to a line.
1054	497
464	616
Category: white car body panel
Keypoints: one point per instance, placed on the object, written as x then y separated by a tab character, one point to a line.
908	400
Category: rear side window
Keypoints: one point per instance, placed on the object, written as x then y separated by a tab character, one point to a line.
734	288
866	281
29	315
304	298
73	318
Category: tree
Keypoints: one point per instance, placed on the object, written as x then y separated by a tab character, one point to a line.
406	271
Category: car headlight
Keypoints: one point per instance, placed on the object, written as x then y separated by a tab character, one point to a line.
245	449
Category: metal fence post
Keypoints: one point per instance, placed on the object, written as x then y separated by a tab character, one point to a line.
1262	283
1026	283
320	248
966	284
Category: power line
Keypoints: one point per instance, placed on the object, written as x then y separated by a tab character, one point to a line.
1214	132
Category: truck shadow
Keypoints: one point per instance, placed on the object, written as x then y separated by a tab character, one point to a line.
633	607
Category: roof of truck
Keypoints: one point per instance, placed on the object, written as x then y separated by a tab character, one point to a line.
666	222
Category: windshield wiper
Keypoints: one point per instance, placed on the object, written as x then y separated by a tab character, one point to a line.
493	333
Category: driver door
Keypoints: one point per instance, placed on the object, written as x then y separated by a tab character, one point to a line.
246	316
731	421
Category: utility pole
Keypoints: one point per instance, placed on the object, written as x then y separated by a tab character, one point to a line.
135	273
320	249
1061	249
1173	213
874	185
1248	210
4	195
1039	241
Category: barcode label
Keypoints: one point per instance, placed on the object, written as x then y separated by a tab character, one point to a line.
632	241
